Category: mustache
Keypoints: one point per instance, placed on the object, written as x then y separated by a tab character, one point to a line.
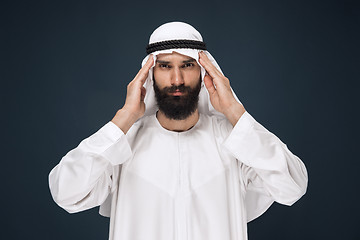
180	88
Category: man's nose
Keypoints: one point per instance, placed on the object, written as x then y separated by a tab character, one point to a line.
177	77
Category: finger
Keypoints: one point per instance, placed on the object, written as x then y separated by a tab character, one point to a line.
144	71
149	62
206	61
214	75
206	58
214	72
209	84
210	68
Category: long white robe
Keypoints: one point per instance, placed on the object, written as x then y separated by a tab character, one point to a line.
202	184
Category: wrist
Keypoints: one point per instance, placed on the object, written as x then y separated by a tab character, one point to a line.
124	119
234	113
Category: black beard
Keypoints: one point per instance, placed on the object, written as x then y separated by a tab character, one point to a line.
177	107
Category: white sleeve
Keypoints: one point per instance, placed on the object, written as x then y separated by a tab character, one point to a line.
84	177
269	171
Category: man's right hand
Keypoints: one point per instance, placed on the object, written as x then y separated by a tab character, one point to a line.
134	107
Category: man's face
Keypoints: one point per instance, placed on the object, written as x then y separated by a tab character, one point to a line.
177	83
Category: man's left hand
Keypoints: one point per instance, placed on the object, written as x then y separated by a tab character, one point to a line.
219	89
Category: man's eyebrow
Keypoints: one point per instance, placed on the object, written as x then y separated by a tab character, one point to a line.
189	60
162	62
167	62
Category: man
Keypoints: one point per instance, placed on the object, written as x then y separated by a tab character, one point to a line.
182	159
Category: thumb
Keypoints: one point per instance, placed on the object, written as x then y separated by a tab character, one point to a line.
209	84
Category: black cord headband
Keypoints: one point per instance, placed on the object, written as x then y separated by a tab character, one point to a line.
153	47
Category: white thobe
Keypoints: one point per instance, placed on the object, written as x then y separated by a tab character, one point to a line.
202	184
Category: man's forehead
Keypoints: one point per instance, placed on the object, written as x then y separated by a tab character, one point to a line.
174	56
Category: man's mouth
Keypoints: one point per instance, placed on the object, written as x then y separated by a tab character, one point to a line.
177	93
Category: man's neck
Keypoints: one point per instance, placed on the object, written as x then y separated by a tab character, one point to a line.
177	125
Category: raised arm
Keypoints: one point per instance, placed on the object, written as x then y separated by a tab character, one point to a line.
268	169
266	165
134	107
87	174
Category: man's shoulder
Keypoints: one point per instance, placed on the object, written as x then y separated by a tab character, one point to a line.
141	123
217	123
213	119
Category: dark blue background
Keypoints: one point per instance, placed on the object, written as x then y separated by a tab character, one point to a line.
293	64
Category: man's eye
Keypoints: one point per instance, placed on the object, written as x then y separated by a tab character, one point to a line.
188	65
164	66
